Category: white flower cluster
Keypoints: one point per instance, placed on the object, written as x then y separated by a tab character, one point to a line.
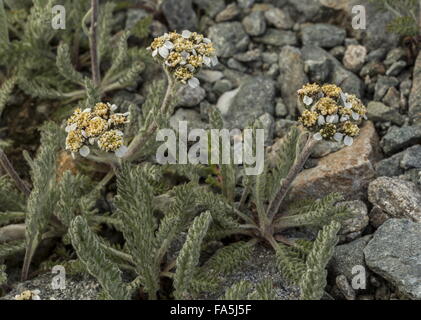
330	113
99	126
184	54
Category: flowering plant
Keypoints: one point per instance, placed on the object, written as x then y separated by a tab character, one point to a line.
331	113
184	54
100	127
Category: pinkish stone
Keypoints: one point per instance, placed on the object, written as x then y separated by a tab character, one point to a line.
348	171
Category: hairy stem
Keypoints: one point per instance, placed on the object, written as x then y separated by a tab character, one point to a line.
96	76
8	167
143	137
286	183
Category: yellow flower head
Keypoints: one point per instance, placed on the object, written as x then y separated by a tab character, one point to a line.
326	106
110	140
331	91
102	110
308	118
96	127
350	129
309	90
328	130
118	119
74	140
183	74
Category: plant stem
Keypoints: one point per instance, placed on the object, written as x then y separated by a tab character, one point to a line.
143	137
293	172
96	76
7	166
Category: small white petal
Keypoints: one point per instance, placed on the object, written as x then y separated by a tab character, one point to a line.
194	52
120	152
186	34
84	134
348	105
329	119
155	53
207	40
355	116
185	54
126	114
87	110
164	52
190	67
71	127
321	120
120	133
84	151
344	98
92	141
307	100
215	61
338	136
207	61
348	141
344	118
36	297
318	136
365	117
73	155
194	83
335	118
113	107
169	45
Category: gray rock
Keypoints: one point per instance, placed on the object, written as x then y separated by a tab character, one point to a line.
390	167
255	97
357	223
394	55
270	57
236	65
396	197
318	70
377	217
228	38
354	57
323	35
310	10
278	38
394	253
377	55
383	84
347	80
348	256
211	7
180	14
292	76
245	3
343	285
255	23
400	138
281	109
415	97
210	76
392	98
249	56
396	68
372	38
278	18
189	97
229	13
193	118
222	86
377	111
411	158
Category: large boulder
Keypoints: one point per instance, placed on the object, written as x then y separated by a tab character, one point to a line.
395	197
348	171
228	38
394	253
